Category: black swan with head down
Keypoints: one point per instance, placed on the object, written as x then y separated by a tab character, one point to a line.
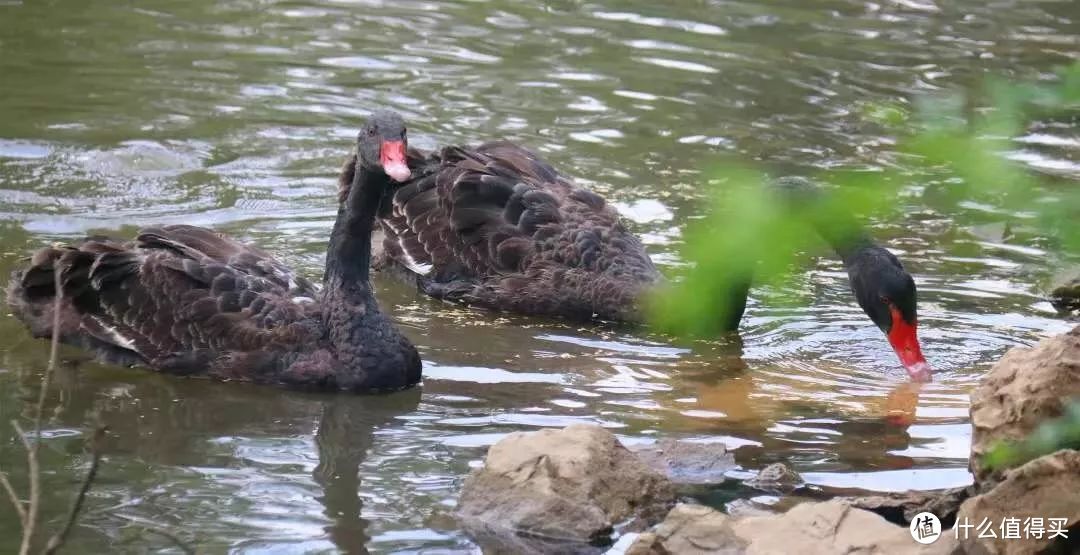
185	300
496	226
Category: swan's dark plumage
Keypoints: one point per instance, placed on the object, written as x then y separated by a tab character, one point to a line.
186	300
496	226
170	297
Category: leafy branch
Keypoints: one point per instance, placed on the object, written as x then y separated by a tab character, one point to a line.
1050	436
757	227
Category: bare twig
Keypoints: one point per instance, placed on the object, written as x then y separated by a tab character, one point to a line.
58	540
34	469
29	514
22	435
14	497
54	347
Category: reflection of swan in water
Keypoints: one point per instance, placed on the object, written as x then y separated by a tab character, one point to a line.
858	430
346	432
176	442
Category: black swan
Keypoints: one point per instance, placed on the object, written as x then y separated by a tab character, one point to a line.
886	292
495	226
185	300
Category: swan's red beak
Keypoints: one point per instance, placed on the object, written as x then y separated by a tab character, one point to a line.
905	342
392	158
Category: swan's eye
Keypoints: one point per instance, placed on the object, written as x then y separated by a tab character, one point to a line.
371	131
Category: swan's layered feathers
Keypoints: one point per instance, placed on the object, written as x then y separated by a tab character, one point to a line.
497	226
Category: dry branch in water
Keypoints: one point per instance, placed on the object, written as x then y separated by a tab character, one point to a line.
30	511
76	505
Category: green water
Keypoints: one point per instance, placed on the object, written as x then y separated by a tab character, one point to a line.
236	115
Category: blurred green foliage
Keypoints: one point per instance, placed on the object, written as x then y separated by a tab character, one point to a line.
757	229
1062	433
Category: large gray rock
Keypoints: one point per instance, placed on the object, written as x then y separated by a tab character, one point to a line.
808	529
1047	487
572	484
832	527
1024	389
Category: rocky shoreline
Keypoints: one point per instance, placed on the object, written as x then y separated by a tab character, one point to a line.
572	490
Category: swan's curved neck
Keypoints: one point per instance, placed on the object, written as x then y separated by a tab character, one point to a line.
348	256
370	352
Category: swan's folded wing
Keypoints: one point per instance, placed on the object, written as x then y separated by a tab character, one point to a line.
487	210
200	242
155	299
414	226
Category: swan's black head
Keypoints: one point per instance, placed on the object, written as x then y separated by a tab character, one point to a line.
886	292
382	144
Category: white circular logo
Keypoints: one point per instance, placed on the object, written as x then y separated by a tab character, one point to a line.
925	528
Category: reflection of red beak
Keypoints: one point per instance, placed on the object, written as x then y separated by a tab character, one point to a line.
392	158
905	342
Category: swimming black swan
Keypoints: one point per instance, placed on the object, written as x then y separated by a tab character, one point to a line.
496	226
185	300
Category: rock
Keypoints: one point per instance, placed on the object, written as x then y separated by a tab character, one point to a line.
1066	297
572	484
496	541
685	462
646	544
739	508
900	508
809	528
1047	487
1025	388
832	527
776	477
690	530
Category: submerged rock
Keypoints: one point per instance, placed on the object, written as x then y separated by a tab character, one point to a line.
1047	487
776	477
686	462
1066	297
809	528
901	508
742	507
1025	388
572	484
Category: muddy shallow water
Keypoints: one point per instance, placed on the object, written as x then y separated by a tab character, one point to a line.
237	114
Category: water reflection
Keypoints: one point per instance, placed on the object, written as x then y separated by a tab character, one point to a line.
870	426
346	432
193	425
